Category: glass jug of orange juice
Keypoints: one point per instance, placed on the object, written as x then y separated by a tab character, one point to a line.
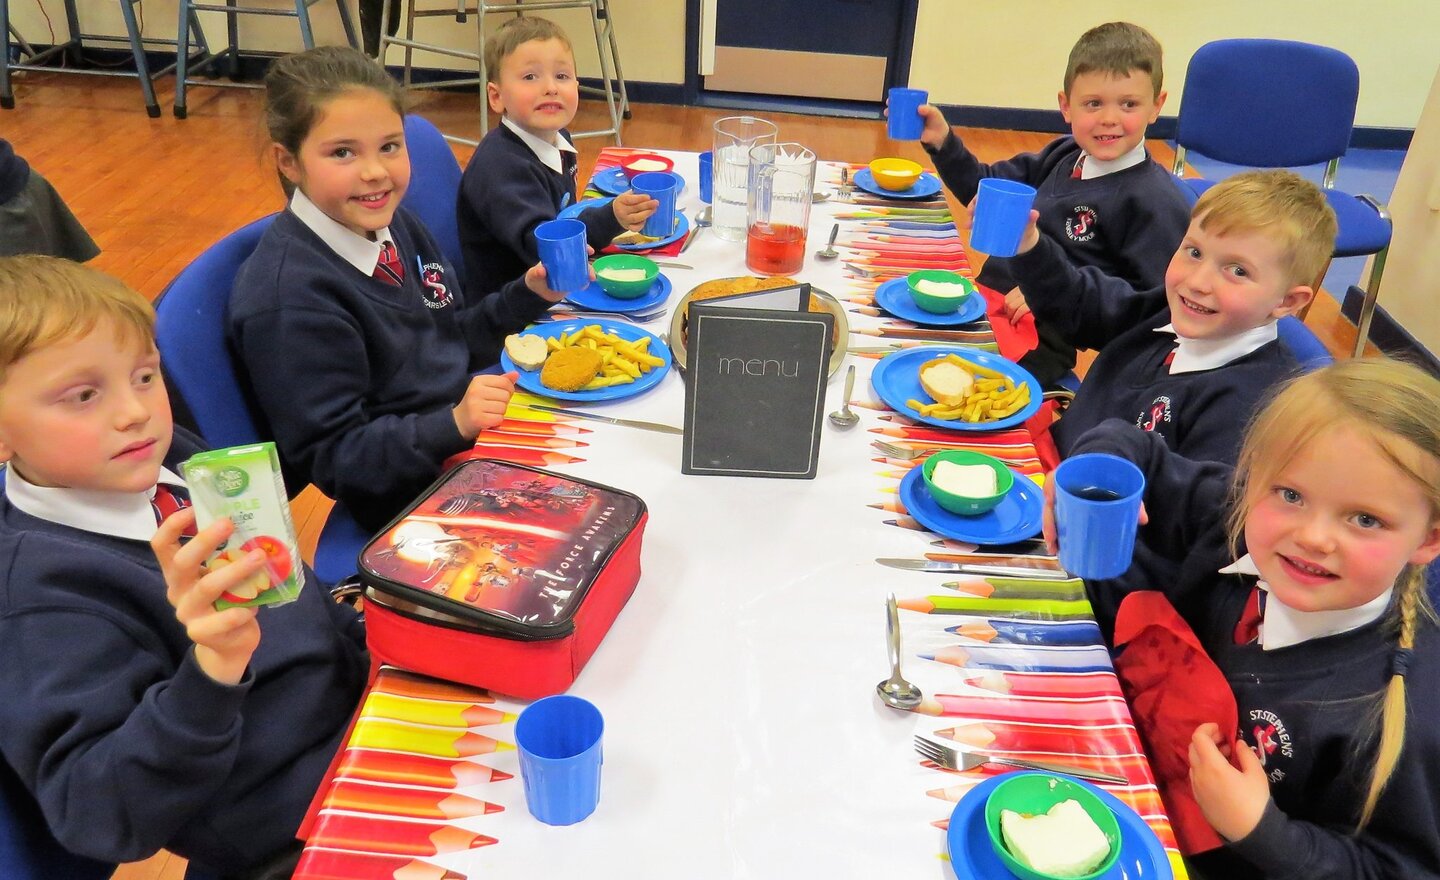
782	179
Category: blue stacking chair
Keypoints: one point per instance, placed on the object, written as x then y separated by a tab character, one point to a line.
1304	344
434	186
1283	104
190	331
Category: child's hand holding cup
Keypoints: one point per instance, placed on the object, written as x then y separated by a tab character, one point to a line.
1097	510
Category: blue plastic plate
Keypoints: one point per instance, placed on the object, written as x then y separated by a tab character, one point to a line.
682	226
612	181
1016	518
894	297
595	298
926	186
896	379
530	380
1142	857
572	212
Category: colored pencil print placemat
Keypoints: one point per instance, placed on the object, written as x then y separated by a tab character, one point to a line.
419	779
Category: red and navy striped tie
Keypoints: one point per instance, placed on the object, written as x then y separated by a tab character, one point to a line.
388	267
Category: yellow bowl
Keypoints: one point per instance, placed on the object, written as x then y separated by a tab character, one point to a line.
895	174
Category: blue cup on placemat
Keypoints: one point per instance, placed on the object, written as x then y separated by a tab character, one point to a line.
1002	208
558	739
904	122
561	244
1097	506
661	187
707	175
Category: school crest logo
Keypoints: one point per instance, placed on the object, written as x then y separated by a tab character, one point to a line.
1266	731
433	291
1156	415
1081	226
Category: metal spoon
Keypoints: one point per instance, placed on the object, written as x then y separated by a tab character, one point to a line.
844	417
828	252
895	691
702	220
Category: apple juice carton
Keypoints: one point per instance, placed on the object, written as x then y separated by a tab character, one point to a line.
244	483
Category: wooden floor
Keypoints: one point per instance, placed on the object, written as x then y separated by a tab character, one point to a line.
154	193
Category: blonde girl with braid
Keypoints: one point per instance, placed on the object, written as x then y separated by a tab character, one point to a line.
1303	575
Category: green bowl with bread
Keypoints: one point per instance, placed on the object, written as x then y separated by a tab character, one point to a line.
966	483
626	276
1049	827
938	291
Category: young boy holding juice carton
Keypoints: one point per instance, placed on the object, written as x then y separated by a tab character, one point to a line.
143	716
524	171
1100	195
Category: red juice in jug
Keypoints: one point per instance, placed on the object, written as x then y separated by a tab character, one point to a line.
775	249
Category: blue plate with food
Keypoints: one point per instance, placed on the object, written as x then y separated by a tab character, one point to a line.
682	226
894	297
596	299
896	379
612	181
650	375
1016	518
572	212
927	186
1142	857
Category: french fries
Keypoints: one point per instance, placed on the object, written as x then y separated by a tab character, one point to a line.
621	361
994	397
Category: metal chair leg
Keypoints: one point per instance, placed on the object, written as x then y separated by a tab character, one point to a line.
348	24
182	57
1367	304
147	86
7	97
302	12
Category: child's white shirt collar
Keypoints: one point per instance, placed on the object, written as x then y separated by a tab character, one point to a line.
1282	626
353	248
1194	355
545	152
1091	167
118	514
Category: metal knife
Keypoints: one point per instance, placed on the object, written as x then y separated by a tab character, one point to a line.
667	264
596	417
937	567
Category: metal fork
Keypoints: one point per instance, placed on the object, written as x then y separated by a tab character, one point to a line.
905	453
629	317
959	759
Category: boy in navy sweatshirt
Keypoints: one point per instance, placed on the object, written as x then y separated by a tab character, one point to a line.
1189	359
1100	195
138	716
524	171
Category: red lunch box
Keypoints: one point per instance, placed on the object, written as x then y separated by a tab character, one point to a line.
502	576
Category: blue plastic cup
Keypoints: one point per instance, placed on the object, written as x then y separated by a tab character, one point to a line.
1097	505
905	122
707	175
559	743
1002	209
561	244
658	185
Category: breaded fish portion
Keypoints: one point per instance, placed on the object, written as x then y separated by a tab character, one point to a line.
570	369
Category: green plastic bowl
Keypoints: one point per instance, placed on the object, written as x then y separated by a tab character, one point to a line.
939	305
1035	793
961	504
625	289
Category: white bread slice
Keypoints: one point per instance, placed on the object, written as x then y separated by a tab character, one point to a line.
965	480
945	382
947	289
1064	842
528	352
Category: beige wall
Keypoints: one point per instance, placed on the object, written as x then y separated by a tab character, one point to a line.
1407	290
1011	53
986	53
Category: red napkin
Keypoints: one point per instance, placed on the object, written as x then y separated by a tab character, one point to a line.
1173	687
610	157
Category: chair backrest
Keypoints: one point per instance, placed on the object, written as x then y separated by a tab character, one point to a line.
190	332
1303	343
28	851
1268	103
434	185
